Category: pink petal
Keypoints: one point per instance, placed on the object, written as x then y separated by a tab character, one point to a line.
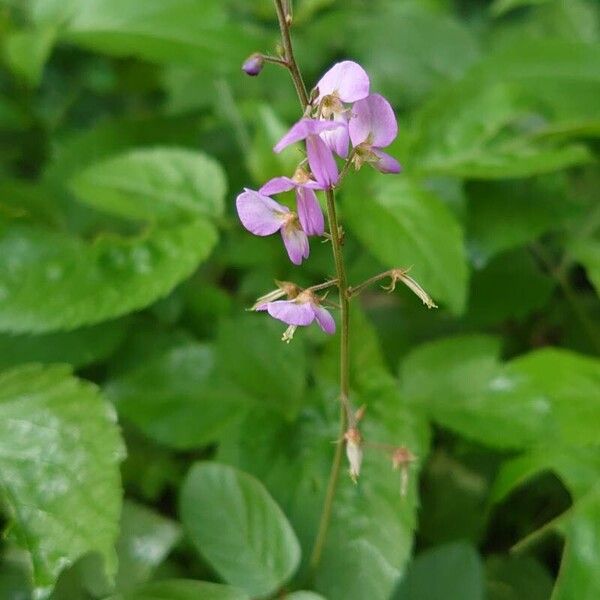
386	163
309	212
324	319
292	313
260	214
277	185
302	129
321	161
348	79
296	243
337	139
373	120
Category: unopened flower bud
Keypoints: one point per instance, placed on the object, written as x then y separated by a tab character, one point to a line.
253	64
354	452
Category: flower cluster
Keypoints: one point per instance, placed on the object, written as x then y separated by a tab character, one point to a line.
342	113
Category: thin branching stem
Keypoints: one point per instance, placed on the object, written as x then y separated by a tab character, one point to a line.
342	284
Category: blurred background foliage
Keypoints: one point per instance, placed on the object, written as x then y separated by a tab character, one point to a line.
126	130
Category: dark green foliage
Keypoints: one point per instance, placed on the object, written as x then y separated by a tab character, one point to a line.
126	130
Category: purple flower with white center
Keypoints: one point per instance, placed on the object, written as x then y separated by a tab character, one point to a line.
373	126
308	207
320	158
300	312
263	216
346	81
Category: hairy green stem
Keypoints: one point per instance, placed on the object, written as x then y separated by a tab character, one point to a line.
342	284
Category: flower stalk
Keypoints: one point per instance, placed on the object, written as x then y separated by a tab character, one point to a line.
340	118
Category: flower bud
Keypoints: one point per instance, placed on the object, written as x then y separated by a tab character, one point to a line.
253	64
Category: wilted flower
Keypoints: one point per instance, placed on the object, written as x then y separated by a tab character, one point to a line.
401	275
354	451
263	216
253	65
320	158
300	311
373	126
307	205
346	81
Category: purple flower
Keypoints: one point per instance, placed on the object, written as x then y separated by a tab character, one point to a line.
263	216
320	157
345	82
301	311
372	127
338	139
253	65
307	205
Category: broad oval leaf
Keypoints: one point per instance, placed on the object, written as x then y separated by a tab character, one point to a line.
404	225
238	528
51	281
60	451
154	184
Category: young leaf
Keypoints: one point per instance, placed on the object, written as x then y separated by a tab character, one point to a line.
60	451
238	528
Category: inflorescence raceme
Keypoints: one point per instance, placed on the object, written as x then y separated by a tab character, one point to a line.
342	120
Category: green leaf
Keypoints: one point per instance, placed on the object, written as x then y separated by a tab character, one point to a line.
516	577
87	282
154	184
500	7
486	132
586	251
404	225
548	393
176	398
423	49
251	355
145	540
238	528
304	596
578	576
27	52
78	348
262	162
450	571
505	214
182	589
511	286
60	451
196	32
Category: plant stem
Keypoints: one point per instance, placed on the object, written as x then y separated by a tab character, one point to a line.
289	54
334	473
342	284
354	291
